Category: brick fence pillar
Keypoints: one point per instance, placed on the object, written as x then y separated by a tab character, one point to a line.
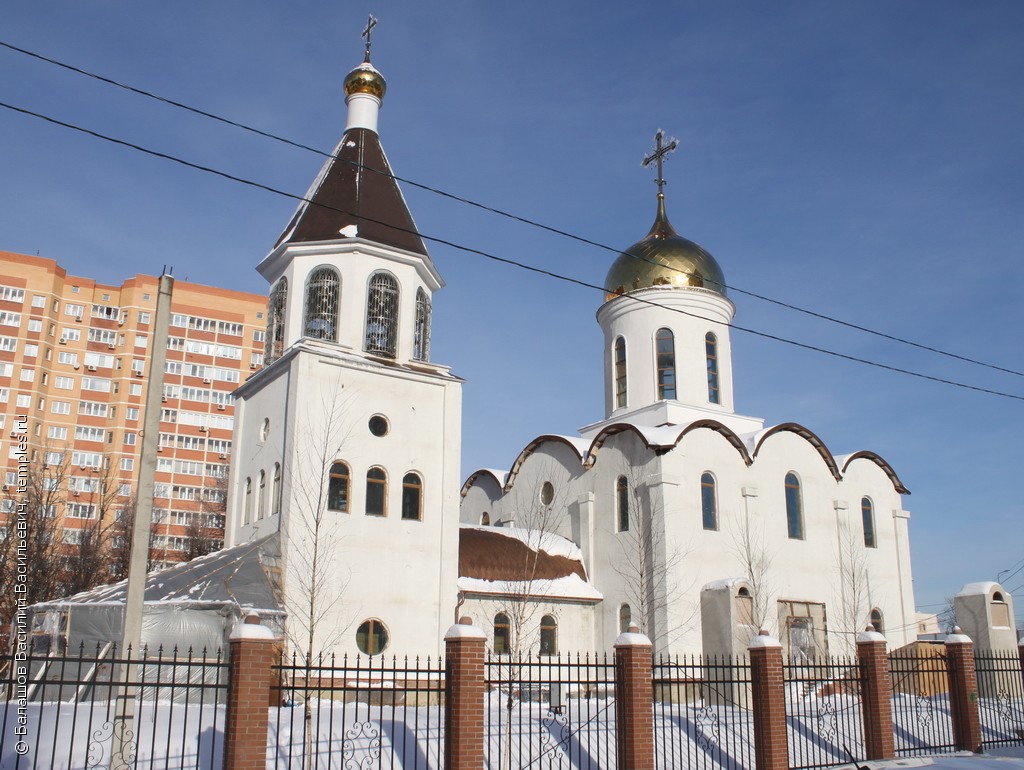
634	701
1020	654
250	674
963	692
465	690
876	698
768	691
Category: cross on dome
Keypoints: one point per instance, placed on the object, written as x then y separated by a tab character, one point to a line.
660	153
371	22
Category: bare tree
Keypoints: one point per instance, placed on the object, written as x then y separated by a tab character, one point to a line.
651	565
755	560
86	561
852	587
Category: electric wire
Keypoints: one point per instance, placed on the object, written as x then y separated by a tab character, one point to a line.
502	260
496	211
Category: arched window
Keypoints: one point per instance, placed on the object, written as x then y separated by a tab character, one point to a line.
548	635
665	344
622	503
382	315
421	331
867	515
260	501
275	491
248	501
620	372
708	501
485	519
711	352
876	620
376	492
273	346
322	292
625	618
371	637
502	634
412	497
794	508
337	488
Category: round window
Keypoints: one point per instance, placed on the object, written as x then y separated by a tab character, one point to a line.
265	429
547	493
372	637
379	425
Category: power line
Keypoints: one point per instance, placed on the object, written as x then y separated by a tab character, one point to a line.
497	211
502	260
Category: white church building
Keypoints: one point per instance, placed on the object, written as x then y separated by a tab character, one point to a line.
671	510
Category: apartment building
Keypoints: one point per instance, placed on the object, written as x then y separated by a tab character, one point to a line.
74	372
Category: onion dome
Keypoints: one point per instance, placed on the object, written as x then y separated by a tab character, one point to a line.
365	79
663	259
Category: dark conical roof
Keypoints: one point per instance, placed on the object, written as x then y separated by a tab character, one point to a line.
355	187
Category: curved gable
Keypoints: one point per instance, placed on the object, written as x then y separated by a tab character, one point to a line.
810	437
532	447
724	431
881	463
483	474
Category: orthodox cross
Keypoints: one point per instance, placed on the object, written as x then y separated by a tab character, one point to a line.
661	151
371	22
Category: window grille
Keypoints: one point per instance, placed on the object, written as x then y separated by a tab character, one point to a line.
275	320
620	373
382	315
421	333
322	291
711	351
666	351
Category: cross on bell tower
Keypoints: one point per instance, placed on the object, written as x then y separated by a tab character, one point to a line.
660	153
371	22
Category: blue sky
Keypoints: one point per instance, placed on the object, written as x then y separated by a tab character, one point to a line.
859	160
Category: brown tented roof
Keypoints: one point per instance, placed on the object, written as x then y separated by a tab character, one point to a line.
350	191
490	555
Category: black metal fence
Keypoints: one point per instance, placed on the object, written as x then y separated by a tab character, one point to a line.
550	711
703	713
1000	697
72	711
921	715
823	711
357	713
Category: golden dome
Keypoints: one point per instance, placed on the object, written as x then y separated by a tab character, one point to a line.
665	259
365	79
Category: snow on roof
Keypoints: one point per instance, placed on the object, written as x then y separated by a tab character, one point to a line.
243	575
717	585
538	540
981	588
568	587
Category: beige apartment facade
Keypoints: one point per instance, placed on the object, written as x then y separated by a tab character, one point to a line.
74	371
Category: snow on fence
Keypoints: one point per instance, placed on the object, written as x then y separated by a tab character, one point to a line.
550	711
703	713
1000	697
64	711
357	712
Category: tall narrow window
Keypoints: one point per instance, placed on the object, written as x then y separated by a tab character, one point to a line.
711	352
275	491
625	618
248	501
548	635
337	488
794	508
322	291
665	344
274	343
867	515
622	503
260	501
502	634
620	372
382	315
421	331
708	501
412	496
376	492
